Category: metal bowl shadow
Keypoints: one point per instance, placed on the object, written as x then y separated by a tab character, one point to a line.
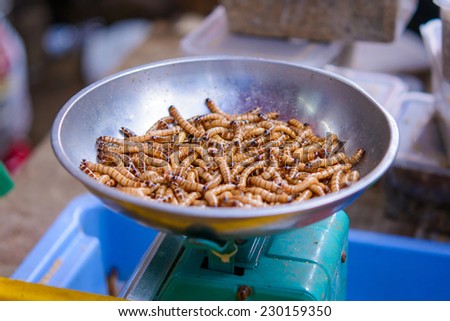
136	98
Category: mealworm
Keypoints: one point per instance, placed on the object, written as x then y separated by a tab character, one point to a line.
265	184
186	163
224	170
171	196
229	135
284	129
357	156
280	141
300	187
215	181
163	123
187	185
287	160
292	174
178	156
350	178
333	148
270	197
125	172
126	132
250	156
316	189
238	135
132	191
306	195
204	174
137	191
329	171
214	108
224	123
248	201
109	140
87	170
150	150
199	203
271	115
307	132
106	180
267	125
210	196
254	132
215	131
184	123
160	192
192	175
256	142
201	163
291	146
225	196
253	118
190	198
180	138
300	176
108	158
209	117
336	181
325	162
152	161
116	175
180	194
271	172
152	176
252	115
296	124
161	139
307	153
245	174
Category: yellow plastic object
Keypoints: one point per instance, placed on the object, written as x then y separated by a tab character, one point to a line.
15	290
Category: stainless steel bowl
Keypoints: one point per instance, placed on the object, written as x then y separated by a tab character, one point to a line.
136	98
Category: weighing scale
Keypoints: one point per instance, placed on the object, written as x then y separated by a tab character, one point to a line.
303	264
287	252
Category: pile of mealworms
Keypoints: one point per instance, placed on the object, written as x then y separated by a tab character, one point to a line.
227	160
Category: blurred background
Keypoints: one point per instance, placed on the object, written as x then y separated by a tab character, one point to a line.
67	45
56	36
49	50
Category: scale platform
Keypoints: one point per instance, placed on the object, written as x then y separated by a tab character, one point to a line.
88	243
304	264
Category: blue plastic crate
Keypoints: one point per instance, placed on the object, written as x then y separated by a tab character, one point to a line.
82	247
88	240
391	267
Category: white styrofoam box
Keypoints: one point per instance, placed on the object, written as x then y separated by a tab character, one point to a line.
384	88
432	37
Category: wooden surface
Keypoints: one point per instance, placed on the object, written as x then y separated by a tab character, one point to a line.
42	189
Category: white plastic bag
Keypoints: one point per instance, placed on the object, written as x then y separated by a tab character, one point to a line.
15	105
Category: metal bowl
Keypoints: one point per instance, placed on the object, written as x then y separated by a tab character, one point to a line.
136	98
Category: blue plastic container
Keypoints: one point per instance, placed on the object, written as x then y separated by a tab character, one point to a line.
88	240
84	245
390	267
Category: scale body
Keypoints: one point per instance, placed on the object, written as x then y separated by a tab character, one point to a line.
308	263
284	266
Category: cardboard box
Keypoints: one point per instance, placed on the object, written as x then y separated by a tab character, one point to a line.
322	20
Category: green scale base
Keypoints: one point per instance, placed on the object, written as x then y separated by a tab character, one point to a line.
304	264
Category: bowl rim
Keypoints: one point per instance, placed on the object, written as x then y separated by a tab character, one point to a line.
313	204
